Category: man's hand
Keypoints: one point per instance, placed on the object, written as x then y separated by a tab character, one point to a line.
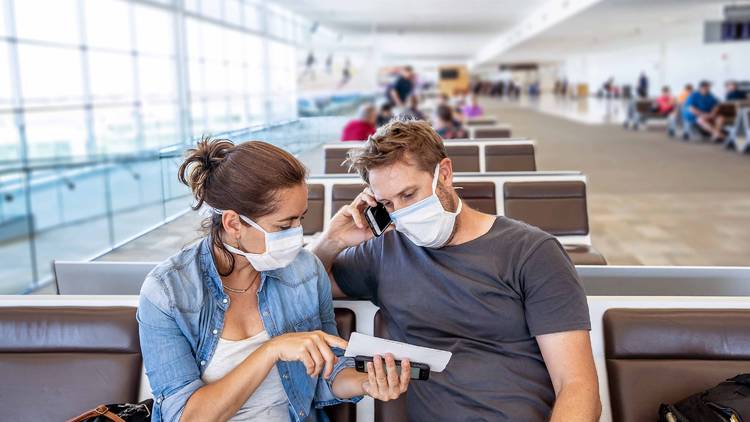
385	383
348	227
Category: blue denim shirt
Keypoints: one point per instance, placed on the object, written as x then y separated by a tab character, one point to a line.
181	316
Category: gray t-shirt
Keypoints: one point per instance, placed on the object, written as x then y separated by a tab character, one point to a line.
484	300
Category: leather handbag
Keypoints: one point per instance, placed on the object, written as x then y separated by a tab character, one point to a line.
121	412
727	402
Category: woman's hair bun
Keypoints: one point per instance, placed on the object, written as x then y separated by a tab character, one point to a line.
200	163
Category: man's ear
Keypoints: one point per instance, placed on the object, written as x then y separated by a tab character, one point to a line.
446	172
230	221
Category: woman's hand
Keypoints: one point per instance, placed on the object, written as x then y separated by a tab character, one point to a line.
383	381
312	348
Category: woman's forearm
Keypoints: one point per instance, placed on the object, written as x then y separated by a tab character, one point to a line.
348	383
220	400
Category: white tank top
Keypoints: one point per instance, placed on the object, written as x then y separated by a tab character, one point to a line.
269	401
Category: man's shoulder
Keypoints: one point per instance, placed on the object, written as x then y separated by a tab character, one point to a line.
518	234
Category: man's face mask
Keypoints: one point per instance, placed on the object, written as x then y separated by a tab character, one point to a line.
281	247
427	223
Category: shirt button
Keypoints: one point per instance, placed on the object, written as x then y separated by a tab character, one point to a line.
265	313
301	413
158	400
216	332
286	376
203	363
225	300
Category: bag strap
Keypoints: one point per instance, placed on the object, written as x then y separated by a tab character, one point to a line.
100	410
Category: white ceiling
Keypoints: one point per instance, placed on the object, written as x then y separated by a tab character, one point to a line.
453	31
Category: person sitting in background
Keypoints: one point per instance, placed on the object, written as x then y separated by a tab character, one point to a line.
733	93
402	88
412	109
665	104
685	94
361	127
702	108
446	125
473	109
385	114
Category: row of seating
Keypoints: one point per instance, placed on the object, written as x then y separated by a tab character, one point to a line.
86	354
736	122
554	202
490	131
467	156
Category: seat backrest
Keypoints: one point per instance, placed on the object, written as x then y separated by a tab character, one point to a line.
57	362
346	323
394	410
664	355
100	278
344	194
484	132
559	208
465	158
313	222
644	106
478	195
512	157
334	157
481	121
728	109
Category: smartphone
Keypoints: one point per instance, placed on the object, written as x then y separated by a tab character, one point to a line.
378	219
419	371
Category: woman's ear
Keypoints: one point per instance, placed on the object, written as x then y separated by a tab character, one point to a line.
230	221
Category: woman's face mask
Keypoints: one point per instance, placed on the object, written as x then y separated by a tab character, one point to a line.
427	223
281	247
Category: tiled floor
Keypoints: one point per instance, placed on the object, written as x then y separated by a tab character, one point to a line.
652	200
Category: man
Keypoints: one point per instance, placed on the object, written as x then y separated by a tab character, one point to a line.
402	88
702	109
361	127
733	93
643	85
502	296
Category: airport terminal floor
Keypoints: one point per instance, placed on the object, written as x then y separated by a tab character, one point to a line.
653	200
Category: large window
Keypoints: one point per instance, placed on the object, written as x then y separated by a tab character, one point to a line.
107	76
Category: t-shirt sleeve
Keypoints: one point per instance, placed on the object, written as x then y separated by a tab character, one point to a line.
354	270
554	300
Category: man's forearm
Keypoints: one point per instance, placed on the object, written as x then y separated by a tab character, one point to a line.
327	249
577	402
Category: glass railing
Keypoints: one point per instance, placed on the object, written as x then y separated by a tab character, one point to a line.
79	208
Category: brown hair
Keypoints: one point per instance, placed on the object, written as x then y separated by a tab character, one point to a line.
393	141
244	178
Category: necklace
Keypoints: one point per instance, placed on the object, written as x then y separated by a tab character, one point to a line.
240	291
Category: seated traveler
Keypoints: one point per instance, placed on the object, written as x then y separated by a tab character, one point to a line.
733	93
361	127
501	295
446	125
412	111
240	326
685	94
701	108
473	109
665	104
385	114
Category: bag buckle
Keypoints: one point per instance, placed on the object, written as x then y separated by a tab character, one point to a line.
101	410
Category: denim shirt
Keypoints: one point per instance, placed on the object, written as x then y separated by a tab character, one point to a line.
181	315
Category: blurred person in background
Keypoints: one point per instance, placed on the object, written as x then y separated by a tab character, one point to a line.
385	114
733	93
402	88
702	109
446	125
362	126
473	109
686	91
665	104
412	111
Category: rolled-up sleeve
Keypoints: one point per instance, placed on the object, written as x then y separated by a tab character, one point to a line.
324	392
168	358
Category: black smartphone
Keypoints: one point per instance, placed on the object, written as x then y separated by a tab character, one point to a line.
378	219
419	371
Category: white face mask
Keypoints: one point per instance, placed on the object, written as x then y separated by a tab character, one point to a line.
427	223
281	248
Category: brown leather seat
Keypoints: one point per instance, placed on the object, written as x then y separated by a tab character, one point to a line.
509	157
57	363
395	410
346	323
478	195
465	158
664	355
313	222
344	194
728	110
485	132
559	208
334	157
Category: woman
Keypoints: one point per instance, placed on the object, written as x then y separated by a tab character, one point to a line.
240	326
446	125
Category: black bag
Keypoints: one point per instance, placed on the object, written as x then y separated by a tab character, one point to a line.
727	402
121	412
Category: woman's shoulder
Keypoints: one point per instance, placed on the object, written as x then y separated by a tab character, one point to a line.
176	280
